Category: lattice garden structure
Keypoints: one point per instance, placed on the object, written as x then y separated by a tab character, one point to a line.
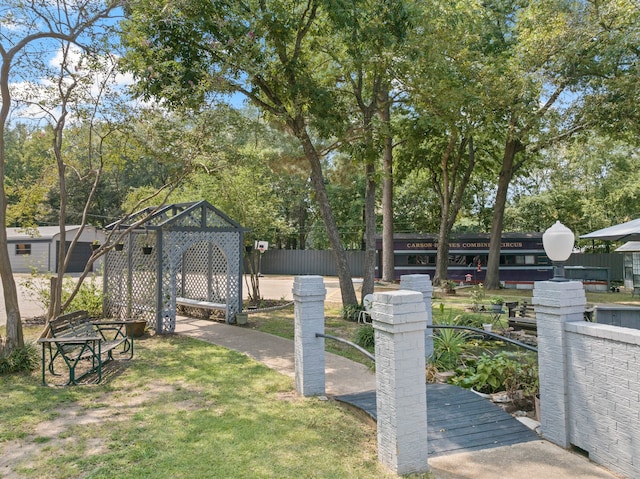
188	250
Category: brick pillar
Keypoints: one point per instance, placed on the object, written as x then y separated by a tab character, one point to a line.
399	321
422	284
556	303
309	294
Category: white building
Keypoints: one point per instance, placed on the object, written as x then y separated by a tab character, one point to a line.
37	249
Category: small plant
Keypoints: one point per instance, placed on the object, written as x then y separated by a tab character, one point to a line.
496	300
448	345
527	380
350	312
477	296
23	359
365	337
449	286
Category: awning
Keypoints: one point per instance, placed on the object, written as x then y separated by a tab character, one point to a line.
629	231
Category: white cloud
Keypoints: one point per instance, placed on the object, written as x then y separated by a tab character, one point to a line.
97	79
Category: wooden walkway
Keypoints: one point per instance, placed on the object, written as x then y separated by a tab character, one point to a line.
458	420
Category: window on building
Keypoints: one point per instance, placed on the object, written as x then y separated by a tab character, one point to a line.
421	259
23	248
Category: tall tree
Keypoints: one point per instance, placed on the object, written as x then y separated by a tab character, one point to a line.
543	55
26	27
268	52
444	95
373	34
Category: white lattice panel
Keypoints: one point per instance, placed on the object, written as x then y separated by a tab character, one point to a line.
196	260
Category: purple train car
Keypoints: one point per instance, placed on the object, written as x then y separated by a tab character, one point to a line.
522	257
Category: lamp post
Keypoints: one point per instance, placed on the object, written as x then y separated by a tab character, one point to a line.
558	244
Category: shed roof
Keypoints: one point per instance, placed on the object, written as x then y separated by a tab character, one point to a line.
629	247
200	215
38	232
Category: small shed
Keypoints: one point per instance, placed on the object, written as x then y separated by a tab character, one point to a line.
631	250
36	249
190	252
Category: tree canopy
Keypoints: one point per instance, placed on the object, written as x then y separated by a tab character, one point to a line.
290	116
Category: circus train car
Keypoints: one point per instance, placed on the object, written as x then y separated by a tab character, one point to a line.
522	258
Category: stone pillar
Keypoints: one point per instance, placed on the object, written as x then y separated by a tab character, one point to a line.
309	294
422	284
399	321
556	303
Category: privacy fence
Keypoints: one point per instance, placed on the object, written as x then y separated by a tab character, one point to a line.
322	263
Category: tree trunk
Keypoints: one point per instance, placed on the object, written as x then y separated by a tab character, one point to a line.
254	292
454	180
442	256
370	229
56	292
492	278
347	290
14	337
388	265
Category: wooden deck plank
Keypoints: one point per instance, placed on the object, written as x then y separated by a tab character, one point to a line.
458	420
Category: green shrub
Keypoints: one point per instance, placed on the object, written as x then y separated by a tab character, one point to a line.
21	359
471	320
365	337
501	372
350	312
89	297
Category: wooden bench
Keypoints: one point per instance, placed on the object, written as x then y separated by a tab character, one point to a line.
78	340
523	316
200	304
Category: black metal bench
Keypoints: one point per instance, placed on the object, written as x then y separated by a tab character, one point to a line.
78	340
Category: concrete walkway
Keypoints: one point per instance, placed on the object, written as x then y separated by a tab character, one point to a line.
343	376
531	460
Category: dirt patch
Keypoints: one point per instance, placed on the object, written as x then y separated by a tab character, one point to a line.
56	433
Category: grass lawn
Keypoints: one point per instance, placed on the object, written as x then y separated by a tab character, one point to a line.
187	409
280	323
181	408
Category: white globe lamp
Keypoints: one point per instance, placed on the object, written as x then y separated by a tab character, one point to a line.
558	244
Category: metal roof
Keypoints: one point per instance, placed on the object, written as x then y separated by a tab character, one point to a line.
38	232
629	247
